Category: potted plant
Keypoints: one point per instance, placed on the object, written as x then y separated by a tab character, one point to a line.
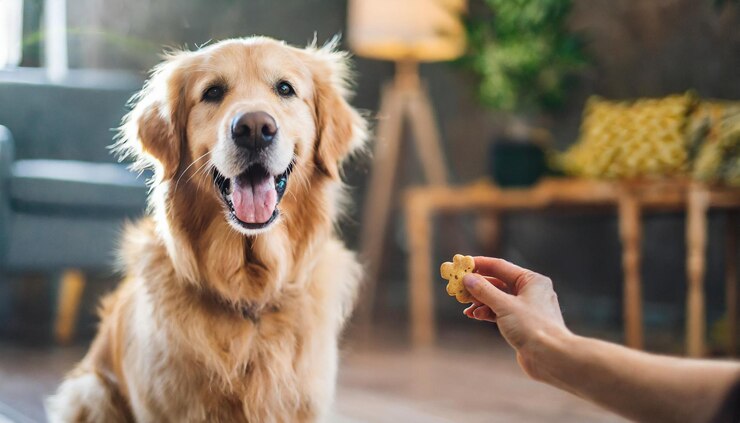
525	60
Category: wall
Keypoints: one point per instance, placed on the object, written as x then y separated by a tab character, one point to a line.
640	48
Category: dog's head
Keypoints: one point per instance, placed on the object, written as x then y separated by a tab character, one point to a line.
243	123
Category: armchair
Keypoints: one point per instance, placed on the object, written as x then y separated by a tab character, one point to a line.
63	198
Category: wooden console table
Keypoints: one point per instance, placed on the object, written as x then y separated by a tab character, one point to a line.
630	198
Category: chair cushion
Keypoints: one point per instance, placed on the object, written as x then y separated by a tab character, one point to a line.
76	188
42	243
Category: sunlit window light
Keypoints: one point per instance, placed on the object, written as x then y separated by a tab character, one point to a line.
55	45
11	32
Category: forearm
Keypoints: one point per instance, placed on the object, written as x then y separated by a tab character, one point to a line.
637	385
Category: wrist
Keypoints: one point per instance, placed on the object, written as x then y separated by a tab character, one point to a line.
549	353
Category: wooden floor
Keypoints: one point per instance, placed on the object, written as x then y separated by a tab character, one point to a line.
471	377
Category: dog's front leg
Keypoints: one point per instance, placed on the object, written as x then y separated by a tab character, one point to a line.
86	397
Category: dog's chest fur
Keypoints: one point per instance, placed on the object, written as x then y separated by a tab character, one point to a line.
247	371
189	360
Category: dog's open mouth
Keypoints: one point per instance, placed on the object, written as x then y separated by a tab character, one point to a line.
252	197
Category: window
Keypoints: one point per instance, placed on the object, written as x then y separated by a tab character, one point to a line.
11	32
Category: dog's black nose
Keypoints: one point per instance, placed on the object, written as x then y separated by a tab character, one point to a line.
254	130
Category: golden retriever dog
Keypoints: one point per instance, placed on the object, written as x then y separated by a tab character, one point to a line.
236	287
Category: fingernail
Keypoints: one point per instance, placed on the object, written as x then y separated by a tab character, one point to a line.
470	280
477	313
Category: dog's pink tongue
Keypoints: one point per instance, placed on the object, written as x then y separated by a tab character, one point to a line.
254	199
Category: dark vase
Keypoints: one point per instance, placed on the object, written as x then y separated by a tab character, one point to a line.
516	162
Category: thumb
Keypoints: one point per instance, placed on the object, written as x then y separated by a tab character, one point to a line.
485	291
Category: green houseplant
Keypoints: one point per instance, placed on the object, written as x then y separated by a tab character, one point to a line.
523	53
525	59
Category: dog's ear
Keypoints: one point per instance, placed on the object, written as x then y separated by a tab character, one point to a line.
341	130
153	132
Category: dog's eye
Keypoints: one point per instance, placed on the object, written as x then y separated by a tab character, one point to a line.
214	94
284	89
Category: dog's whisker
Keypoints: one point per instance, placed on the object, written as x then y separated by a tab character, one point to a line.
192	164
302	182
201	168
207	174
198	170
186	170
203	172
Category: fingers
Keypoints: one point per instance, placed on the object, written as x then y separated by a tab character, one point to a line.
485	313
507	272
470	309
499	268
485	292
480	312
497	282
476	304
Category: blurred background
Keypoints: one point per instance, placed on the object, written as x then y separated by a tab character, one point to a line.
558	124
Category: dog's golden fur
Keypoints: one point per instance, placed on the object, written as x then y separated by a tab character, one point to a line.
211	324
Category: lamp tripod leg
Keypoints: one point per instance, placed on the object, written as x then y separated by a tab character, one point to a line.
426	137
380	191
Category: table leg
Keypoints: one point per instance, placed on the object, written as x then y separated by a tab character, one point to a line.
488	231
696	243
731	291
630	230
421	295
71	287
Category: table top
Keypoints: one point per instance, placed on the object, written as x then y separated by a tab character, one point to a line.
567	192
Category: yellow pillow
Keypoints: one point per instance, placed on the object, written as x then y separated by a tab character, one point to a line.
714	142
644	137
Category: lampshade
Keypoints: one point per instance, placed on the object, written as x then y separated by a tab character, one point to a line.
421	30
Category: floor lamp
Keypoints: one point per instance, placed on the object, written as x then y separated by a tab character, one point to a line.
407	32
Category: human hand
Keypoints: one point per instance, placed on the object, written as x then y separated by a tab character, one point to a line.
522	303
